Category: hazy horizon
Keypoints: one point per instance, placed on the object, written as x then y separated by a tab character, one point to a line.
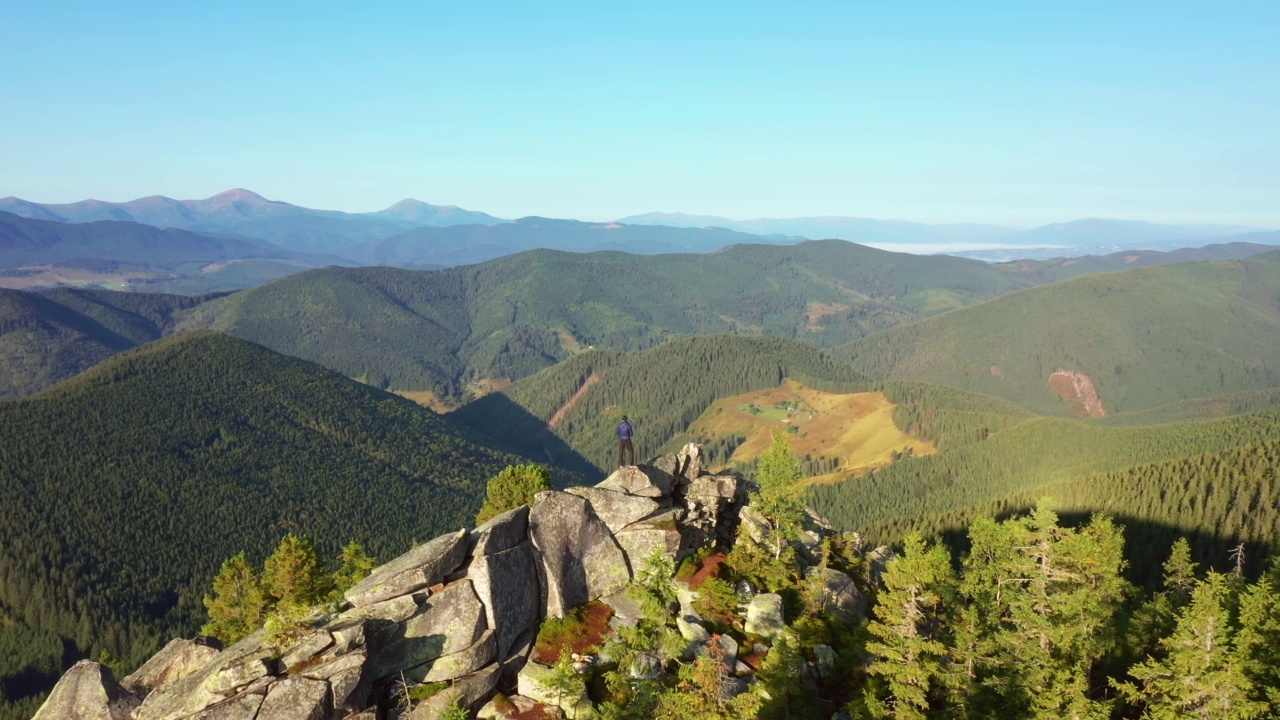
822	216
1015	115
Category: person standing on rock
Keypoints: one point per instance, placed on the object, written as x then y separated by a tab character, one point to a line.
625	449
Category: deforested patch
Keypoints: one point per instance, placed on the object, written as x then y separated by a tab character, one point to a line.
1077	390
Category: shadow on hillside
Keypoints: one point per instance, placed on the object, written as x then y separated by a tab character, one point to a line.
510	427
1147	545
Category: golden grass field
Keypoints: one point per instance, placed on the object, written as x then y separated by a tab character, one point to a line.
857	427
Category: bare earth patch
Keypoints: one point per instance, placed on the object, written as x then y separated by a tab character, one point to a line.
1077	390
568	341
818	310
564	409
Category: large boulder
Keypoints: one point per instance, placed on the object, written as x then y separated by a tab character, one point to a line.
87	692
840	596
764	615
713	489
501	533
616	509
348	686
669	464
250	661
659	533
507	585
178	659
709	499
296	698
690	457
641	480
421	567
451	621
579	559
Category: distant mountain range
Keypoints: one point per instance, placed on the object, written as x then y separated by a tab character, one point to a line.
238	239
247	214
1093	233
466	244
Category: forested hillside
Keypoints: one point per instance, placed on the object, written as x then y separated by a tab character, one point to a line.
567	414
1141	338
24	241
514	316
122	489
51	336
995	459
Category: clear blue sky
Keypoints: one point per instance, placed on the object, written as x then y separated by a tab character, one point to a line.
1016	113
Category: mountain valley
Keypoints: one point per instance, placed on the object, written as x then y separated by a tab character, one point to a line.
148	436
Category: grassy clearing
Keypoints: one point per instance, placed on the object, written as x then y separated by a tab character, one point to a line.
856	427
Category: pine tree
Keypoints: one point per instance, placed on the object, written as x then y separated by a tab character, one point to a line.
909	631
1258	640
1201	677
565	682
516	485
1156	618
355	566
1179	574
1052	595
237	604
295	576
781	678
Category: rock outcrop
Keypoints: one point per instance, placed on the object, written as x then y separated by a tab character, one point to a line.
579	558
462	609
88	692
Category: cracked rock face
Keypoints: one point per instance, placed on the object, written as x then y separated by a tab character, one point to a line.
178	659
450	622
508	586
616	509
501	533
580	559
421	567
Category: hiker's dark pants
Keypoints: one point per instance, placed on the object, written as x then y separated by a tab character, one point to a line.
626	450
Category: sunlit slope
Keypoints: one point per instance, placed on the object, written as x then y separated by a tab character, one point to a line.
567	413
990	458
855	430
1142	338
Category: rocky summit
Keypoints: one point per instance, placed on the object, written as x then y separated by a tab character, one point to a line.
463	609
